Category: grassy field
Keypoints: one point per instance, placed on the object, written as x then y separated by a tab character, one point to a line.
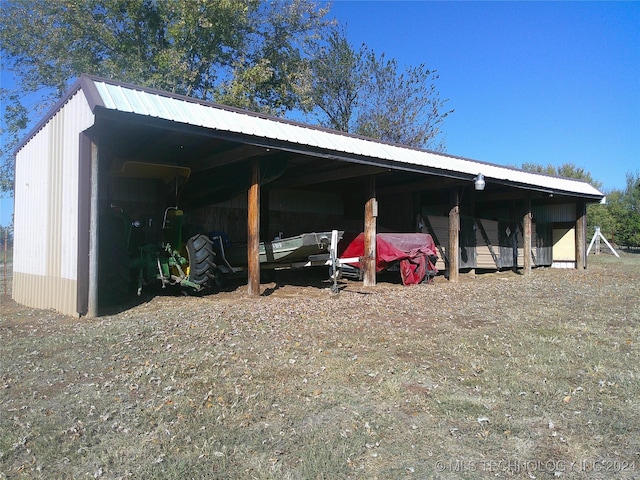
497	376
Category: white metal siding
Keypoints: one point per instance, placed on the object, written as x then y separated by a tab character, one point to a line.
31	194
46	211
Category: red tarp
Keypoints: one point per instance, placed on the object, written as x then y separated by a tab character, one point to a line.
415	252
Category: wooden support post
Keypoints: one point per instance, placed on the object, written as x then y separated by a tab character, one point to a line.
453	252
370	215
581	235
253	230
526	226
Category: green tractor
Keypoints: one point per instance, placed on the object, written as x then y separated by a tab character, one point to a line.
130	262
190	265
149	251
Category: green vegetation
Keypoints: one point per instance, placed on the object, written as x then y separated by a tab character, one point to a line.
619	219
261	56
360	92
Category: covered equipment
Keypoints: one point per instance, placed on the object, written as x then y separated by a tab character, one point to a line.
414	253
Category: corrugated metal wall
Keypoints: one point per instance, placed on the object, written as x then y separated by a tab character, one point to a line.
46	211
291	212
306	201
543	244
563	212
560	219
488	244
438	228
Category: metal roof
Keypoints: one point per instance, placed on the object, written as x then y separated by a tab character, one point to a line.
115	96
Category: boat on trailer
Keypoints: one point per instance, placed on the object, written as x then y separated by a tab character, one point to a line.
304	250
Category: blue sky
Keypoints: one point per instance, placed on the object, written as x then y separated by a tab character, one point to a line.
536	82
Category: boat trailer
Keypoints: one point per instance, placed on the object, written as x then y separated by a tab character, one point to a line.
229	262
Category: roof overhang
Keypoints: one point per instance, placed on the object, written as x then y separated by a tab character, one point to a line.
111	100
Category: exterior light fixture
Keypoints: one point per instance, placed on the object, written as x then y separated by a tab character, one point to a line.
479	182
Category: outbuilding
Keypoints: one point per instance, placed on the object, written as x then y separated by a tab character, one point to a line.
107	145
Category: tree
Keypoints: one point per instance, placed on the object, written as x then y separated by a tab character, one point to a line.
628	217
17	119
273	76
604	216
242	52
366	94
337	81
568	170
538	168
619	218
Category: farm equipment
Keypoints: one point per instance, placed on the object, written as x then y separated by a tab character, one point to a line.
132	258
414	255
150	251
170	262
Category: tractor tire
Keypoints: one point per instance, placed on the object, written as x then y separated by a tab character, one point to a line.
201	259
218	279
114	269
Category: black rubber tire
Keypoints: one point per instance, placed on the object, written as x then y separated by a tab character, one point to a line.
114	268
218	279
201	259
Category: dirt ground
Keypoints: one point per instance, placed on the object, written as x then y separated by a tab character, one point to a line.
496	376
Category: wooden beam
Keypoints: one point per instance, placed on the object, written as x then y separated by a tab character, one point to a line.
453	251
335	174
526	222
370	214
429	183
581	235
253	231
